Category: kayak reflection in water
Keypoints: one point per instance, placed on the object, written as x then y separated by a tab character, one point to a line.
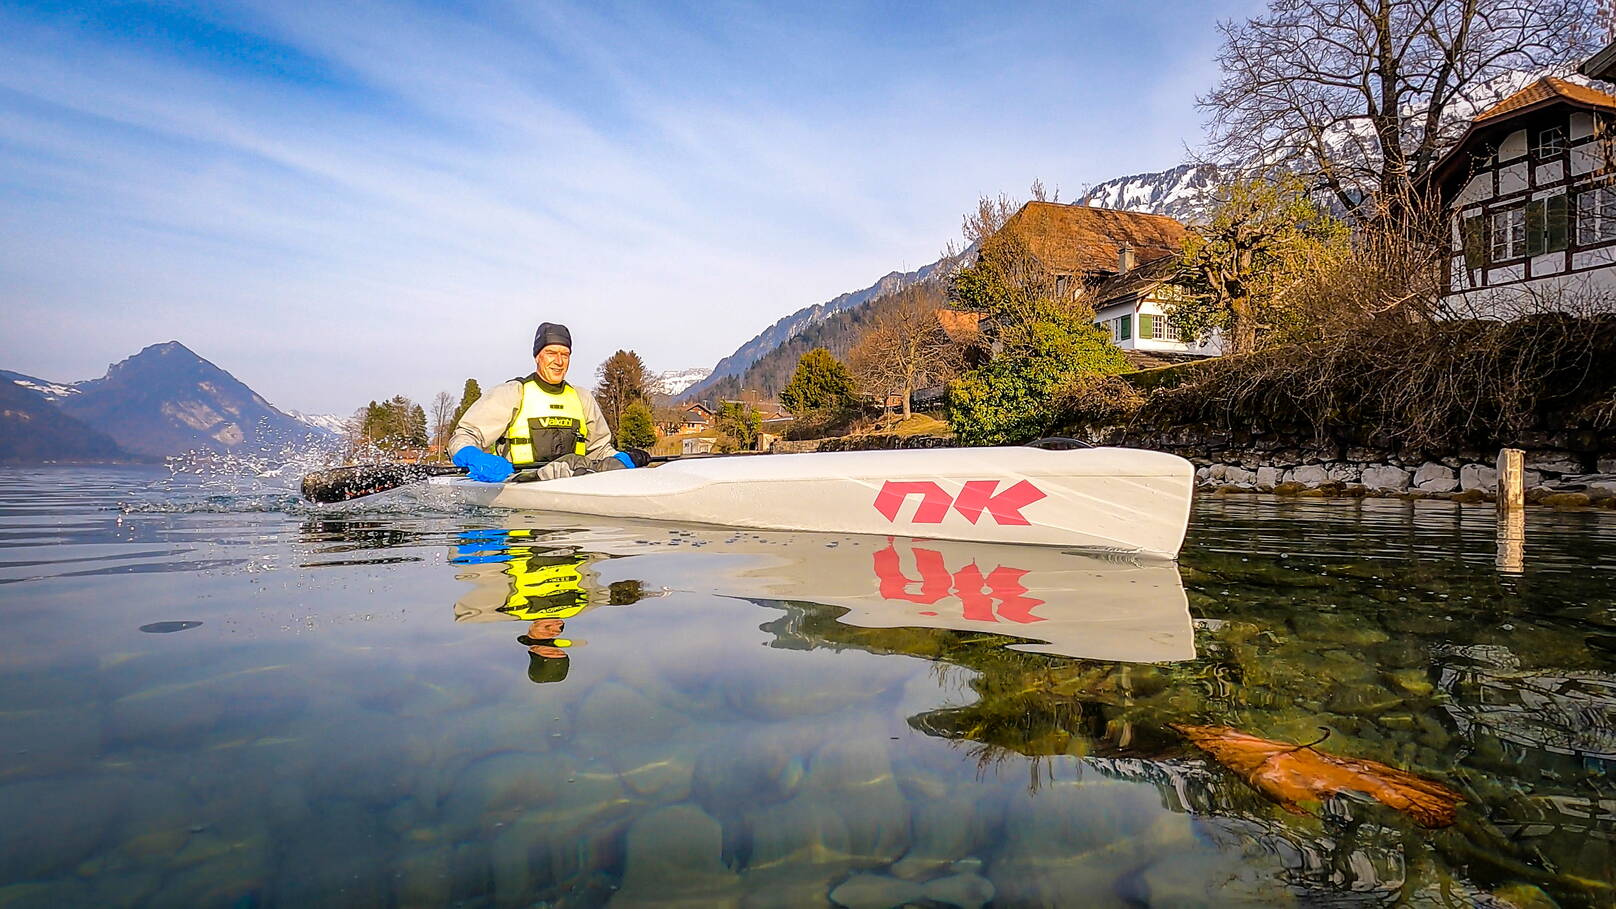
514	577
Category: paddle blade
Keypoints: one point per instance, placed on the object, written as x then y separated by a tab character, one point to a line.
341	484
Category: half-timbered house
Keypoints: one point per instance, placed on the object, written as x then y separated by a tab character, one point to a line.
1531	192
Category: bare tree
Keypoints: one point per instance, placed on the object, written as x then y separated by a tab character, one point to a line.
990	215
906	349
1040	194
1363	95
443	419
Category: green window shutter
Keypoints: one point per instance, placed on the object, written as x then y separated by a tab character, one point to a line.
1144	325
1125	326
1558	215
1537	235
1474	232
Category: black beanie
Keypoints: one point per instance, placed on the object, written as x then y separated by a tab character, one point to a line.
551	333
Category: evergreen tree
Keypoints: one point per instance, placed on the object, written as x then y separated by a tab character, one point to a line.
821	383
636	429
468	397
623	380
415	427
741	423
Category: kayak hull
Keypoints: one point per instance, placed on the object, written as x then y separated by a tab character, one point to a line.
1112	499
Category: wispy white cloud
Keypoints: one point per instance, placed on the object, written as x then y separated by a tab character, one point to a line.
397	209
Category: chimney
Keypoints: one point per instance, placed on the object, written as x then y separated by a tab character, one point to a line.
1124	259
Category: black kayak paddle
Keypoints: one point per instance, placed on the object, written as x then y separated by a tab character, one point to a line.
339	484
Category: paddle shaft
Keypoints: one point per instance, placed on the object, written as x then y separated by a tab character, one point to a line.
344	484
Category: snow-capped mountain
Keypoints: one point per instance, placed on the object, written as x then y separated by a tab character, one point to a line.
50	391
1178	192
330	422
675	381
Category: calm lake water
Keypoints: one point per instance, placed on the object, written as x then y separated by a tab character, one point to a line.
213	696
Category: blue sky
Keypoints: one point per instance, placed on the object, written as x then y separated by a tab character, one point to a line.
340	202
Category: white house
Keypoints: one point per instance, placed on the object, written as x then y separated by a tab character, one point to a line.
1133	303
1124	259
1531	191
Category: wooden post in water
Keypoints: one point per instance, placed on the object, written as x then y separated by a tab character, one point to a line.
1511	511
1511	479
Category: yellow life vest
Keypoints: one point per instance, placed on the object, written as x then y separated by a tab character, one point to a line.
553	589
546	426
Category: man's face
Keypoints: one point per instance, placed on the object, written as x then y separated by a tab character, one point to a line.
552	362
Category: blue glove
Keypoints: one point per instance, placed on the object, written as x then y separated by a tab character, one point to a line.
482	466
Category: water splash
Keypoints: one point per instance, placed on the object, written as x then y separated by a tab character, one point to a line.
269	480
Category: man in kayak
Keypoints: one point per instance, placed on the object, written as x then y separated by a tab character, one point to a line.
538	421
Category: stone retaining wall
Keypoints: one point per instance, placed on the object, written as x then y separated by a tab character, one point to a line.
1466	482
1561	469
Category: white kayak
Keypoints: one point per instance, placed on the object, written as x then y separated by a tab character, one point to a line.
1113	499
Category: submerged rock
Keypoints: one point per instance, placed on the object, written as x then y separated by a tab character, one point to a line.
854	777
944	831
675	858
662	771
875	891
967	891
801	832
618	715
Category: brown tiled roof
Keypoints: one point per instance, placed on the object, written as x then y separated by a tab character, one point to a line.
1080	240
1446	174
1547	89
961	327
1138	279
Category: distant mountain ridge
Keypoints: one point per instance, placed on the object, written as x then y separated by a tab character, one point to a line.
1179	192
164	400
32	429
335	424
674	381
786	328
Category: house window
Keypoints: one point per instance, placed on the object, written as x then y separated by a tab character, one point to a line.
1596	216
1509	234
1155	327
1546	224
1125	328
1473	234
1549	142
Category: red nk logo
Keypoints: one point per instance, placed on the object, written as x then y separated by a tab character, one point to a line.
999	591
977	496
